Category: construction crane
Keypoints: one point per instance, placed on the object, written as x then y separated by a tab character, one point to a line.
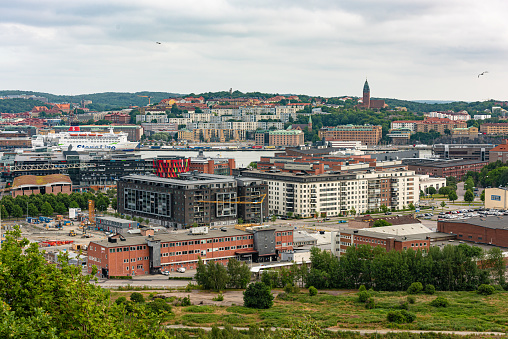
257	202
146	96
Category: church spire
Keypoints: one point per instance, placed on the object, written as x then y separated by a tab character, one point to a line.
366	87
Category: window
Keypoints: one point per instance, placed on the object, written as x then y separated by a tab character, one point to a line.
495	197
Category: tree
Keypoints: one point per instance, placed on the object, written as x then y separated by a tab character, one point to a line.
383	208
411	206
60	208
38	300
469	184
451	182
212	276
239	274
73	204
444	190
274	217
469	196
482	196
381	223
258	295
32	210
253	164
240	221
430	190
443	205
17	212
4	212
353	211
114	203
46	209
452	196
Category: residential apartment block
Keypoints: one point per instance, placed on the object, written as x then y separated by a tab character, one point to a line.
338	193
367	134
279	138
500	128
192	198
444	168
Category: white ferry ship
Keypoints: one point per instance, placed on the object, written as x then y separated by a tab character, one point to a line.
85	141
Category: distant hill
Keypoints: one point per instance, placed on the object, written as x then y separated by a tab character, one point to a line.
436	105
102	101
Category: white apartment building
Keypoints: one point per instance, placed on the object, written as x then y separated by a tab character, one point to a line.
482	116
401	124
338	194
454	116
426	181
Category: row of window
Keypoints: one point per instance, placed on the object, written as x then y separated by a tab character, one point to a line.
134	259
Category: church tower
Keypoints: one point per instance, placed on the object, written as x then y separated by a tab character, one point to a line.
366	95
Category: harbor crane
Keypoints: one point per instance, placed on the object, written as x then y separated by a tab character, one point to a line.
146	96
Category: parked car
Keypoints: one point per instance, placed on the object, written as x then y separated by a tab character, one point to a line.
165	272
181	269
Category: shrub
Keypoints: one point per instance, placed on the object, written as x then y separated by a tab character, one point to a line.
439	302
258	295
400	317
121	300
137	297
186	301
219	297
362	289
363	296
486	289
404	305
159	306
312	291
288	288
415	288
370	304
411	299
430	289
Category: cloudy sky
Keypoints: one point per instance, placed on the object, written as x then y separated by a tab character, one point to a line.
408	49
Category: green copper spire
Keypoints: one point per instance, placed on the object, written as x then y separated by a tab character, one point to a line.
366	86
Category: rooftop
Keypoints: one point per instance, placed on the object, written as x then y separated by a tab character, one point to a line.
189	178
44	180
441	163
494	222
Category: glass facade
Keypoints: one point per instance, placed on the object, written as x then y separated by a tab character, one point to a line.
157	203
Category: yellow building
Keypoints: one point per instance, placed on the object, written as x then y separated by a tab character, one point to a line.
496	198
468	132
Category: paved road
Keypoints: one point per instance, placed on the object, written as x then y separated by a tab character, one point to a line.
360	331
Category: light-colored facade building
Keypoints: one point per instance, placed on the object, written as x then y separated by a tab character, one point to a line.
338	194
427	181
496	198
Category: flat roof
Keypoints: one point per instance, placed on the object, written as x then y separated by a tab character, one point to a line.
188	178
494	222
119	220
441	163
407	237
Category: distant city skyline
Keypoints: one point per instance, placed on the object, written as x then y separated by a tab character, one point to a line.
409	50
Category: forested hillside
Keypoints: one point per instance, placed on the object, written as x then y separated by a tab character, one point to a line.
19	105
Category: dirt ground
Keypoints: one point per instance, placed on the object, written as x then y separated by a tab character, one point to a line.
198	297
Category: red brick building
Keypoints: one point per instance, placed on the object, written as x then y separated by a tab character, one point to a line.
492	230
444	168
148	253
118	118
367	134
500	152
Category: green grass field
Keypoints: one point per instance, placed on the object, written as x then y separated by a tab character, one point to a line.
467	311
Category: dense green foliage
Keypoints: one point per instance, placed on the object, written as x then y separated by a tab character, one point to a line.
19	105
494	174
400	316
486	289
258	295
40	300
47	204
214	276
415	288
440	302
452	268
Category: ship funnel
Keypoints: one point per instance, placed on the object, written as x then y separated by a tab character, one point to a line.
74	129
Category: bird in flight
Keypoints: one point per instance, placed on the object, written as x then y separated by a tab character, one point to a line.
483	73
158	43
